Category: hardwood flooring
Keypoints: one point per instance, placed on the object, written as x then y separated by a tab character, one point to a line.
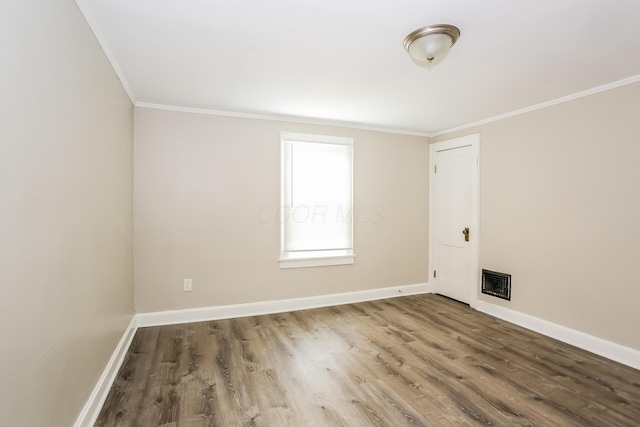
410	361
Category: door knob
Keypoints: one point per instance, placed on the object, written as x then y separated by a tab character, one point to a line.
466	234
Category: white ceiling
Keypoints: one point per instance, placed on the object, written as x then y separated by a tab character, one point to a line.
343	60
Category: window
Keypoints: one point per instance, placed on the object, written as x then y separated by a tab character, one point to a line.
317	201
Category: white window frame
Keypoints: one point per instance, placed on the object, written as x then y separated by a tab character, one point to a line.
300	259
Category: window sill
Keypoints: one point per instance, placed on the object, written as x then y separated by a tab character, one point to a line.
316	261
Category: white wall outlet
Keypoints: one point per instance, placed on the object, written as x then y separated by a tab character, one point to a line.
187	286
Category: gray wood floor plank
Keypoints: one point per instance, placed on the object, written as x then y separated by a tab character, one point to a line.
410	361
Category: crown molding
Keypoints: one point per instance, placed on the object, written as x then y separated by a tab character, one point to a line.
93	24
91	21
279	118
291	119
578	95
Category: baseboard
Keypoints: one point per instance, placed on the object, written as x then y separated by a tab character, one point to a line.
604	348
99	394
91	410
280	306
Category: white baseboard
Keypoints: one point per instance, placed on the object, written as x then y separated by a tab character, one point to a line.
91	410
280	306
608	349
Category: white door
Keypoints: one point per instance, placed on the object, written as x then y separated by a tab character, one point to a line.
454	218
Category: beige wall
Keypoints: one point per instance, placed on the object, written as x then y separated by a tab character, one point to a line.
207	188
561	213
65	212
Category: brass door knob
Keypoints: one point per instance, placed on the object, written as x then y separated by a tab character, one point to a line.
466	234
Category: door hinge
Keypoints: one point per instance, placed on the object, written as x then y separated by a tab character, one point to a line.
435	169
434	274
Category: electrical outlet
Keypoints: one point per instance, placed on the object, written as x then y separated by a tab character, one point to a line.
187	286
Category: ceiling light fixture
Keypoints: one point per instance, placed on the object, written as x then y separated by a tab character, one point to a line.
429	45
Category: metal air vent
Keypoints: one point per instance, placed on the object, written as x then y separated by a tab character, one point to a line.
496	284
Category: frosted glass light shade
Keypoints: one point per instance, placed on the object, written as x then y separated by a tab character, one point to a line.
432	48
428	46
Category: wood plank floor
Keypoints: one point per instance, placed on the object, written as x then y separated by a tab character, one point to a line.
410	361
